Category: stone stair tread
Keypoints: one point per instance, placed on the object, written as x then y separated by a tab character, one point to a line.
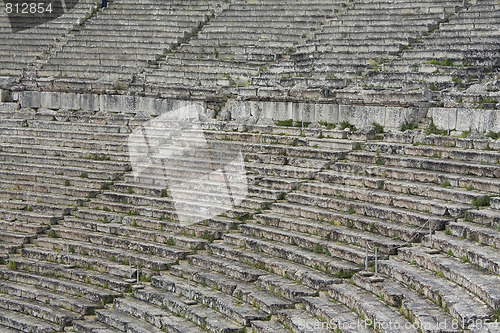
281	248
197	313
484	256
363	237
395	229
301	321
370	306
77	304
92	326
474	232
479	282
461	303
256	295
242	314
336	314
87	291
37	309
123	322
229	267
22	322
260	326
352	253
303	274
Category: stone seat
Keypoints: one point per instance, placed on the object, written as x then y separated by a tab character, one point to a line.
110	253
435	164
329	231
417	198
60	285
50	182
374	224
60	270
479	282
312	243
42	198
91	326
475	233
380	211
300	273
68	171
77	304
459	302
125	323
336	315
43	212
480	255
295	254
50	313
138	232
424	314
259	326
259	296
413	175
196	313
211	229
214	299
119	241
370	307
82	137
20	322
19	226
70	190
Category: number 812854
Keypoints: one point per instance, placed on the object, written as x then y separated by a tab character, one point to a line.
28	8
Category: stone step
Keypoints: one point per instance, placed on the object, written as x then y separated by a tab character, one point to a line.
474	233
319	261
255	295
363	208
411	174
123	269
353	221
329	231
300	273
50	313
111	253
193	311
24	323
226	305
485	217
60	285
335	315
381	316
435	164
480	255
479	282
268	326
154	315
98	279
301	321
76	304
137	232
459	302
312	243
92	326
230	268
125	323
424	314
285	288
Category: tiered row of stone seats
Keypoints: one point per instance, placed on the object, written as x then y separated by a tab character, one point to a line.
235	45
125	37
463	51
21	49
293	252
359	40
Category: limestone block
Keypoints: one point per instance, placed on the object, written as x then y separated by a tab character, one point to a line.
444	118
50	100
303	112
30	99
111	103
89	102
70	101
4	95
326	112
